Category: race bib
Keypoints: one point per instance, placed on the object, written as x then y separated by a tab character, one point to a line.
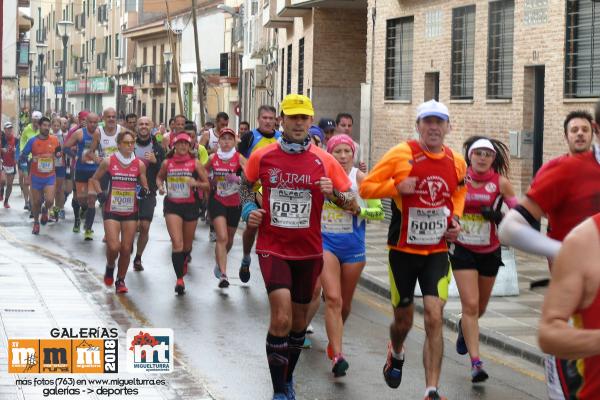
45	164
290	208
474	230
335	220
226	189
122	200
178	187
8	170
426	225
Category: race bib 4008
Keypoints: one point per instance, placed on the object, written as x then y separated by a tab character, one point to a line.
290	208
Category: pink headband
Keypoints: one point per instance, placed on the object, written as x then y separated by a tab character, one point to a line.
340	139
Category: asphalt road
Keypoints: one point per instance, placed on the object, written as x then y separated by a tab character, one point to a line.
220	333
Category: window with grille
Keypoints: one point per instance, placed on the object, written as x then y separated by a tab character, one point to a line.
399	58
500	49
289	69
582	49
463	52
301	66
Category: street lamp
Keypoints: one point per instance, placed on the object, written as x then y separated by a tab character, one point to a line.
41	48
85	71
64	28
31	57
168	58
119	61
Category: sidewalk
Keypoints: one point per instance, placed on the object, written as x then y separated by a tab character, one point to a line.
510	323
38	292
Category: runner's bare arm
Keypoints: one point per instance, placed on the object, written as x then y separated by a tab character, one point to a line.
73	139
143	178
94	181
573	286
202	180
160	178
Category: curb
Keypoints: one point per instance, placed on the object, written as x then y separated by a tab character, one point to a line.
486	336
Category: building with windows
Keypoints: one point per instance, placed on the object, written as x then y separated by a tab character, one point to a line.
321	53
15	55
510	69
96	53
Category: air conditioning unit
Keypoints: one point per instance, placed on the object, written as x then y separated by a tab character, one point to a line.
260	76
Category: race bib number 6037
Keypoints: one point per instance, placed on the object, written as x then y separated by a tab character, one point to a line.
290	208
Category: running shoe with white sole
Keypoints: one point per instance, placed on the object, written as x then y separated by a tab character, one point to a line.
478	374
223	282
392	370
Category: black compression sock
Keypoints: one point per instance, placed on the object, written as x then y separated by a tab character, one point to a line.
90	214
277	356
295	347
178	260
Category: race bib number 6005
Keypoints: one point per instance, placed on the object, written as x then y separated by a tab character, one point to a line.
290	208
426	225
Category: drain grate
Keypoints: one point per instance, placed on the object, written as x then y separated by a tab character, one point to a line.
18	310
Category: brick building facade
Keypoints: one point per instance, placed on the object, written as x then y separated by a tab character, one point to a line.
483	59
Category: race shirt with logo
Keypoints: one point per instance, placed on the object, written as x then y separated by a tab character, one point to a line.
226	180
83	147
291	226
108	143
42	153
180	170
476	233
122	199
439	194
568	192
8	157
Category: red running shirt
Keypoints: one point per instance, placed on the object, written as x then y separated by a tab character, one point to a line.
8	158
568	191
588	369
180	169
291	227
227	191
122	198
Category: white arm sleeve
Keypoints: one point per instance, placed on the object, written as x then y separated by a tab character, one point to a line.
515	231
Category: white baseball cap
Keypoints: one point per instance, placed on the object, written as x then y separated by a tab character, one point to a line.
481	144
433	108
36	115
7	125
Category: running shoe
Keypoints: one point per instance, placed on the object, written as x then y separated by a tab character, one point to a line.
26	206
120	286
217	272
340	366
290	392
6	205
180	286
55	212
137	264
309	329
392	370
109	276
461	345
478	374
61	214
212	236
89	234
36	228
434	395
224	283
245	269
307	343
77	226
329	351
44	219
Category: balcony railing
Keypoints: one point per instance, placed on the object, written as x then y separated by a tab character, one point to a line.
152	74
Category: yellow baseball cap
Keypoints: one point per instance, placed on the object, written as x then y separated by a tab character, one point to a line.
295	104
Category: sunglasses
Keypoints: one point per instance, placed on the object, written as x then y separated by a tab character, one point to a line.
128	142
484	153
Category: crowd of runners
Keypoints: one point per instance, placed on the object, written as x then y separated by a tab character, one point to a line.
305	198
